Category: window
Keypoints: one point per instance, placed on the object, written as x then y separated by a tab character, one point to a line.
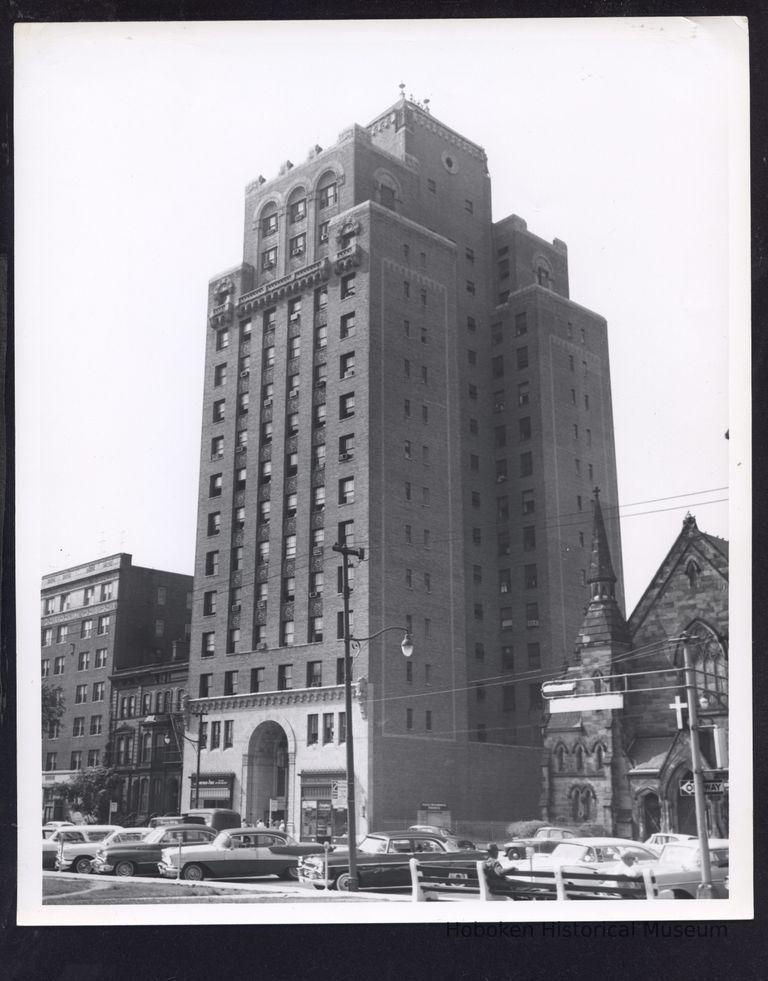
230	682
269	224
83	661
237	558
290	547
97	694
347	286
387	196
45	668
318	498
76	760
94	757
501	471
472	391
347	405
428	720
482	735
257	679
269	259
312	729
318	455
477	536
102	625
427	582
407	368
534	696
346	533
522	357
208	644
505	580
215	735
431	186
469	207
245	330
314	674
209	603
49	605
294	349
204	687
478	611
215	485
508	698
86	628
47	636
292	464
470	287
347	364
409	718
502	509
471	356
284	677
318	540
347	325
524	429
347	490
530	577
497	366
64	601
50	761
211	563
529	538
506	619
222	339
297	211
526	464
219	375
575	430
327	195
570	362
315	630
61	634
327	727
531	614
500	437
503	545
287	633
228	733
263	551
81	694
508	657
78	726
425	413
265	471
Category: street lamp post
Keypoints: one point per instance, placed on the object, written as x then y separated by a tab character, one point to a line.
704	890
195	742
407	649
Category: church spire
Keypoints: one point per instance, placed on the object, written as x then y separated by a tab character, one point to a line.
602	578
604	625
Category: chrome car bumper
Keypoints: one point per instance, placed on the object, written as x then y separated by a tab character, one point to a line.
167	871
99	866
313	877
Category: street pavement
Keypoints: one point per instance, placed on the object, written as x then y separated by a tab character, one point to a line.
66	889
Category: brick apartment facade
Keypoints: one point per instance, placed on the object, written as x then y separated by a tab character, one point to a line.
101	619
390	368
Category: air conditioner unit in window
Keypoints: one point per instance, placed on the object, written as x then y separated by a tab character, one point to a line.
293	393
344	457
235	607
245	373
317	550
261	647
349	373
532	623
314	594
501	479
267	403
239	449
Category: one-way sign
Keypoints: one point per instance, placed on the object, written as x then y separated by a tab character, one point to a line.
713	788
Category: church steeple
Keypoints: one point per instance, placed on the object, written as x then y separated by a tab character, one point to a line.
602	578
604	624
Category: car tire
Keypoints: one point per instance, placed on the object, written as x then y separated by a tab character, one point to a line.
82	864
679	894
125	869
292	872
193	873
343	882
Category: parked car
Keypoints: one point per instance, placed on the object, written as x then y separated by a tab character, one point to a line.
558	834
141	857
661	838
679	868
219	818
446	833
76	856
238	853
383	860
79	833
523	848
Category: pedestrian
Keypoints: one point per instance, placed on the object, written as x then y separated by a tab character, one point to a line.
260	824
281	826
492	863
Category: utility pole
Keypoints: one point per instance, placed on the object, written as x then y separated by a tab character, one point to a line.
359	553
704	890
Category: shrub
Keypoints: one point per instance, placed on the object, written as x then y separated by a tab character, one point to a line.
524	829
590	830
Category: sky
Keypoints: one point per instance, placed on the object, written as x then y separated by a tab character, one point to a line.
134	143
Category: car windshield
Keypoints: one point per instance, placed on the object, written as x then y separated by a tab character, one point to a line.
157	835
69	836
372	845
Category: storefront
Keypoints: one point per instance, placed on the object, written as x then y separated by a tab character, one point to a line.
323	805
214	790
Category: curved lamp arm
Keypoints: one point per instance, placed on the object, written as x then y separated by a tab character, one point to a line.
406	645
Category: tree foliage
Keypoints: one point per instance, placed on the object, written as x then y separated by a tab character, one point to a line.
52	706
91	791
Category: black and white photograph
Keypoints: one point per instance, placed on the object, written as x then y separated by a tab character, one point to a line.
383	471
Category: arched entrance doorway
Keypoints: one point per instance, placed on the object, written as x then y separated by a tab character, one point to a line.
267	779
650	815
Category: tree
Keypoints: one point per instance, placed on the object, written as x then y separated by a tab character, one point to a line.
52	706
91	790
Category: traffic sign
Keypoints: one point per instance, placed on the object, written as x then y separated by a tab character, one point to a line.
712	788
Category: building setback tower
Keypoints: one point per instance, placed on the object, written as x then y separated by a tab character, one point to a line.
389	368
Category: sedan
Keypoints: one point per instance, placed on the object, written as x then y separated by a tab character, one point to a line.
141	857
679	868
240	853
77	834
383	860
661	838
76	856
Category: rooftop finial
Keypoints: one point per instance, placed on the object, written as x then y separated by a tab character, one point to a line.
426	105
401	86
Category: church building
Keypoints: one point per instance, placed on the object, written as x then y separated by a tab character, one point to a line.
629	768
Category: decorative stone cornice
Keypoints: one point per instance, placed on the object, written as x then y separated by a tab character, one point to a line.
292	283
263	700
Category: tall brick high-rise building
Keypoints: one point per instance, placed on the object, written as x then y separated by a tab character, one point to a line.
390	367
